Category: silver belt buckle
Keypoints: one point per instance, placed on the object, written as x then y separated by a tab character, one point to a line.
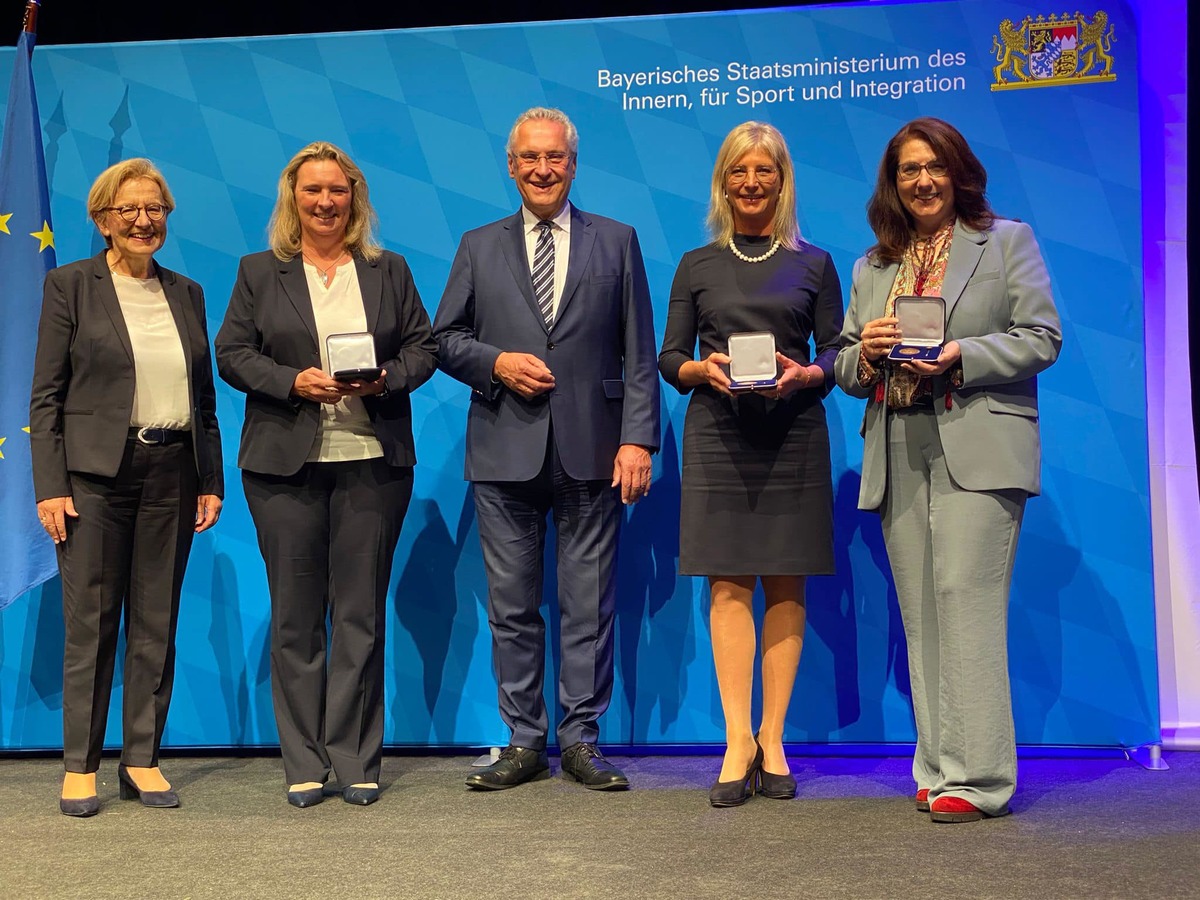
141	436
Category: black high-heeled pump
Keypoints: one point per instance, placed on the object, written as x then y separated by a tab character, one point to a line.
776	787
130	791
734	793
80	807
772	786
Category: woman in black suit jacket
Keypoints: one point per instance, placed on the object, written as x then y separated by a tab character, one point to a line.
326	464
127	468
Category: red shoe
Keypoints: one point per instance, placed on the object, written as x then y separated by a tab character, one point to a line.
923	800
954	809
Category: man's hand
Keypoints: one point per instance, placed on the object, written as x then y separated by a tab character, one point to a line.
631	470
524	374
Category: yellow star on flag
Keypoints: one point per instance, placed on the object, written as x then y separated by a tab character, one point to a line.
46	236
4	217
2	440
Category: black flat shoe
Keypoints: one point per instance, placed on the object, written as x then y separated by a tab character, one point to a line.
80	807
306	798
776	787
586	764
360	796
724	794
516	765
157	799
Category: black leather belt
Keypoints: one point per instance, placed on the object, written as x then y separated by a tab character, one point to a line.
158	435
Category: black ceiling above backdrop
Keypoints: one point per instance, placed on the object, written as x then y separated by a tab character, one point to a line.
82	22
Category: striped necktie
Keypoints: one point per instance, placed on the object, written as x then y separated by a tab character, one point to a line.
543	272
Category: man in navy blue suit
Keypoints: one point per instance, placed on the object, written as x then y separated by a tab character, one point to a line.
547	317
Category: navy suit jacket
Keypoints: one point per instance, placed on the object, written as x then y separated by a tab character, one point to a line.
601	350
270	335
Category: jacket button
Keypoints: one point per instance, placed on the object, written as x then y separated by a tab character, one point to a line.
549	345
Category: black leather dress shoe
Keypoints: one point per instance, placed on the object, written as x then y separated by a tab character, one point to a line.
586	764
516	765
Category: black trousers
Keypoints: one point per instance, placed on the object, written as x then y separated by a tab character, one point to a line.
125	554
328	535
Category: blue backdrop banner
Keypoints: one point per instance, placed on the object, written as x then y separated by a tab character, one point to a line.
1050	106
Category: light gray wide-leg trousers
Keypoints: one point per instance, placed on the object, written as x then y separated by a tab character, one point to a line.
951	553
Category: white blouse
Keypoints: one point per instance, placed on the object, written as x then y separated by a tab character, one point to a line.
344	432
160	393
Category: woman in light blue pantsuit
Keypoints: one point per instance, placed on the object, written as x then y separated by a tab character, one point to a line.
952	448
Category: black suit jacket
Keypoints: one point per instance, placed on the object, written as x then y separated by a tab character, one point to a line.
269	336
83	378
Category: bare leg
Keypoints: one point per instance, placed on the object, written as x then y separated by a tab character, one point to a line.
782	639
731	620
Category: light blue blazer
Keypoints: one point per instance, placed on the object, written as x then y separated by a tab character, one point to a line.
1000	310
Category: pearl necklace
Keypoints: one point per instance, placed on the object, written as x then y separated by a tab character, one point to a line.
754	259
323	274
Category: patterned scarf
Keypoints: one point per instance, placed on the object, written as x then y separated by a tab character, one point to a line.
921	274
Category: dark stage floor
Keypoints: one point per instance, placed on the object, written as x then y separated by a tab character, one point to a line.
1081	828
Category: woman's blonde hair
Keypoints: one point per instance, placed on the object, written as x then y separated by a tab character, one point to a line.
283	231
744	138
106	187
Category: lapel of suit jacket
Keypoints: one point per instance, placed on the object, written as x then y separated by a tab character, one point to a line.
370	285
295	286
885	277
583	239
965	251
178	300
108	300
512	244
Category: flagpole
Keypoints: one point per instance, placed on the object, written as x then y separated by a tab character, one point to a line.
29	26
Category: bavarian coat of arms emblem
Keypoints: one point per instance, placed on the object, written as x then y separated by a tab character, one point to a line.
1065	49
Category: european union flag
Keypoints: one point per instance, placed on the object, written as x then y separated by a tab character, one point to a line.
26	255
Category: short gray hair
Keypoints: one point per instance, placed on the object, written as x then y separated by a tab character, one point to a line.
547	114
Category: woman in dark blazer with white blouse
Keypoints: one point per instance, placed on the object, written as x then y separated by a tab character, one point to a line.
126	468
327	465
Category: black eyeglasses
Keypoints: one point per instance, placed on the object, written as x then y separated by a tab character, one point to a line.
154	211
911	171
